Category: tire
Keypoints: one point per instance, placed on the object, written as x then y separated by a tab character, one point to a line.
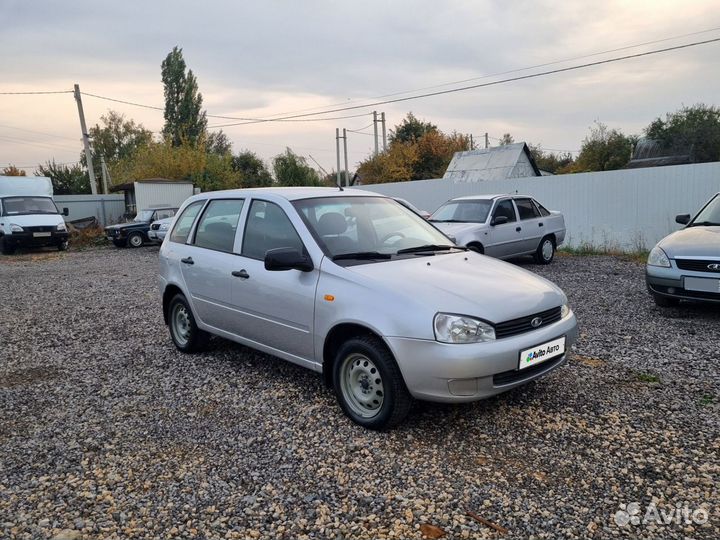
184	332
477	248
545	252
5	248
63	246
119	243
135	240
368	384
664	301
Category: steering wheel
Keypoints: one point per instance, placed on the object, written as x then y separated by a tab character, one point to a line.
388	236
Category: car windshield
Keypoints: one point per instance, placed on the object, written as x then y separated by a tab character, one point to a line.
710	215
144	216
368	228
13	206
463	211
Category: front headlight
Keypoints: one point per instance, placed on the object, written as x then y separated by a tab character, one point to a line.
61	227
16	228
164	226
451	328
564	311
658	257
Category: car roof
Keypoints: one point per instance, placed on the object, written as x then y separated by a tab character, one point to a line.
288	193
490	197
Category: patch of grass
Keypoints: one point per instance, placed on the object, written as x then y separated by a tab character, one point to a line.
589	250
707	400
647	377
87	238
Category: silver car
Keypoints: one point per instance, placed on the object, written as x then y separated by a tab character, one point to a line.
357	287
686	264
159	228
502	226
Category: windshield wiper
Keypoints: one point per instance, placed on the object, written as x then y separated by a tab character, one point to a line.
361	255
704	224
447	220
427	247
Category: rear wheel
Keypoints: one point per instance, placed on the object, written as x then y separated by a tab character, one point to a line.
62	246
477	247
545	252
135	240
664	301
183	330
369	385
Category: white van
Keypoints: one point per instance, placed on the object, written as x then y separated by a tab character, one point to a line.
28	215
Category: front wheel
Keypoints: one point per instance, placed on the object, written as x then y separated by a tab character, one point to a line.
545	251
63	246
183	329
135	240
369	385
6	248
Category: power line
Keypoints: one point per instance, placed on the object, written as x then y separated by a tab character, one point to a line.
36	166
40	133
291	120
34	93
26	142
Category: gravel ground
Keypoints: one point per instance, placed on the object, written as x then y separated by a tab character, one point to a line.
106	431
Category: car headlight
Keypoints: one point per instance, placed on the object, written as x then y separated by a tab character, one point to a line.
16	228
658	257
61	227
564	311
164	226
451	328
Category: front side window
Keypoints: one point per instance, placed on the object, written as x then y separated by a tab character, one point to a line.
710	215
184	223
505	208
15	206
527	209
218	225
463	211
366	225
268	227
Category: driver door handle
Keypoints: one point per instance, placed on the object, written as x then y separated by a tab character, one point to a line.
518	229
241	274
540	224
187	260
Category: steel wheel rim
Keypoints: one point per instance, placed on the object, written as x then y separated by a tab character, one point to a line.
361	385
547	250
181	324
135	241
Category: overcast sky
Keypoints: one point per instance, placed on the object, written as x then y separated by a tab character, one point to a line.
263	58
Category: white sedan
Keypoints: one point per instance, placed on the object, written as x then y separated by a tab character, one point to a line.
159	228
502	226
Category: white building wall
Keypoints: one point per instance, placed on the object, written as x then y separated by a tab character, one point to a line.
627	209
154	194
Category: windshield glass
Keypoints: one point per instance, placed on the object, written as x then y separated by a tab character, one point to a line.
710	215
366	225
144	216
13	206
463	211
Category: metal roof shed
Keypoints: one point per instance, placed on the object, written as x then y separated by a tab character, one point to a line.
154	193
496	163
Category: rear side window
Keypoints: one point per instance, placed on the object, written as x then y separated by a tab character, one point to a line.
505	208
527	209
268	227
184	223
163	214
218	225
543	211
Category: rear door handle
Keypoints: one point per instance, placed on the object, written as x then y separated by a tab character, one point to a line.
540	224
518	229
187	260
241	274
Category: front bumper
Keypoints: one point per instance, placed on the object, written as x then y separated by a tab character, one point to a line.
435	371
31	239
670	283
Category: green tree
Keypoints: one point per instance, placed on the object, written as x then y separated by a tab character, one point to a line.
556	163
184	118
252	170
506	139
218	143
694	131
410	130
12	170
116	139
603	150
293	170
65	180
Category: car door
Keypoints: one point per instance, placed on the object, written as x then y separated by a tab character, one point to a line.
504	239
531	223
274	309
208	261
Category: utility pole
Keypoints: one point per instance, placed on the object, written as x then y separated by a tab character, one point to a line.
105	175
382	119
86	141
472	143
487	140
375	130
347	172
337	149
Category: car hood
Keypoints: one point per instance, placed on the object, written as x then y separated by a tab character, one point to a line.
32	220
692	242
466	283
455	229
131	225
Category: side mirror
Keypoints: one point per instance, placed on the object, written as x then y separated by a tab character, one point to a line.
287	259
682	219
499	220
66	211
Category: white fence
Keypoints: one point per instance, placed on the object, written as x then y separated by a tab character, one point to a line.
108	209
628	209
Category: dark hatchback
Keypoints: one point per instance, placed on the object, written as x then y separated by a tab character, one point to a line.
135	233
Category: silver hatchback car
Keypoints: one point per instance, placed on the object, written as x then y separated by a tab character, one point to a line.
355	286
